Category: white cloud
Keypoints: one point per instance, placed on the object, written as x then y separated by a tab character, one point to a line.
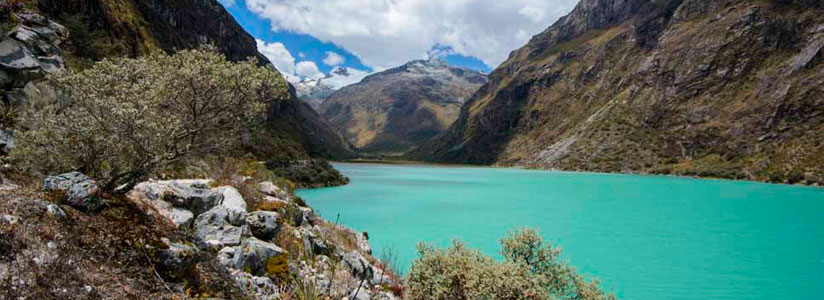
341	77
308	69
280	58
333	59
389	33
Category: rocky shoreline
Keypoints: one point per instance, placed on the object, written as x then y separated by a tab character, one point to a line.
254	234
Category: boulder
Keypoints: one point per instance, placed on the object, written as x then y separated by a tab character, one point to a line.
221	226
358	265
313	243
193	194
231	197
51	64
180	217
225	257
80	190
263	224
259	287
174	261
260	258
305	216
16	56
270	189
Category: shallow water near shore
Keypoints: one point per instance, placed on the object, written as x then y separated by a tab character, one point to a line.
644	237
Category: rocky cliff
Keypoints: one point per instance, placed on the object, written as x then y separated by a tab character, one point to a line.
105	28
133	27
718	88
395	110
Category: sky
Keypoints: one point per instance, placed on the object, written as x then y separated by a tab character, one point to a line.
305	39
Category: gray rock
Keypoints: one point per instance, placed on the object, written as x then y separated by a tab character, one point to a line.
80	190
231	197
180	217
38	94
263	224
259	287
14	55
47	33
34	41
257	257
220	226
270	189
175	260
62	32
305	216
55	211
358	265
193	195
225	256
6	140
51	64
803	58
313	243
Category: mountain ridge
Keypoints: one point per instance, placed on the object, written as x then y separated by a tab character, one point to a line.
624	86
390	112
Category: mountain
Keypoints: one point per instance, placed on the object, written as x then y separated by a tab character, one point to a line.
717	88
394	110
105	28
315	91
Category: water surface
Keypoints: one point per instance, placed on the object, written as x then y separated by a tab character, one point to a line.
645	237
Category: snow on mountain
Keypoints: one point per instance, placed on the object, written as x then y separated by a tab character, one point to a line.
315	91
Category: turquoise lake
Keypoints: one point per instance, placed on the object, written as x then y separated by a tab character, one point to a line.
644	237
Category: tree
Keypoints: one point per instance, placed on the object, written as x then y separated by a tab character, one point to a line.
128	117
531	270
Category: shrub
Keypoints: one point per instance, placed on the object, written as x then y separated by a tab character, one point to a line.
129	117
308	173
530	270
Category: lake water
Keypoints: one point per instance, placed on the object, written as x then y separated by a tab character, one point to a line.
645	237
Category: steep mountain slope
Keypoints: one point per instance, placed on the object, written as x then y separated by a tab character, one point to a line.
726	88
103	28
315	91
395	110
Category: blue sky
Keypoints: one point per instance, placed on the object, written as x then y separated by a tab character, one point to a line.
305	47
297	44
305	38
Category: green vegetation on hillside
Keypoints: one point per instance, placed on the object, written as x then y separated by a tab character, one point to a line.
130	117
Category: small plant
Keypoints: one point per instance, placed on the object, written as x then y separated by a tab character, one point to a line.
531	270
306	290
